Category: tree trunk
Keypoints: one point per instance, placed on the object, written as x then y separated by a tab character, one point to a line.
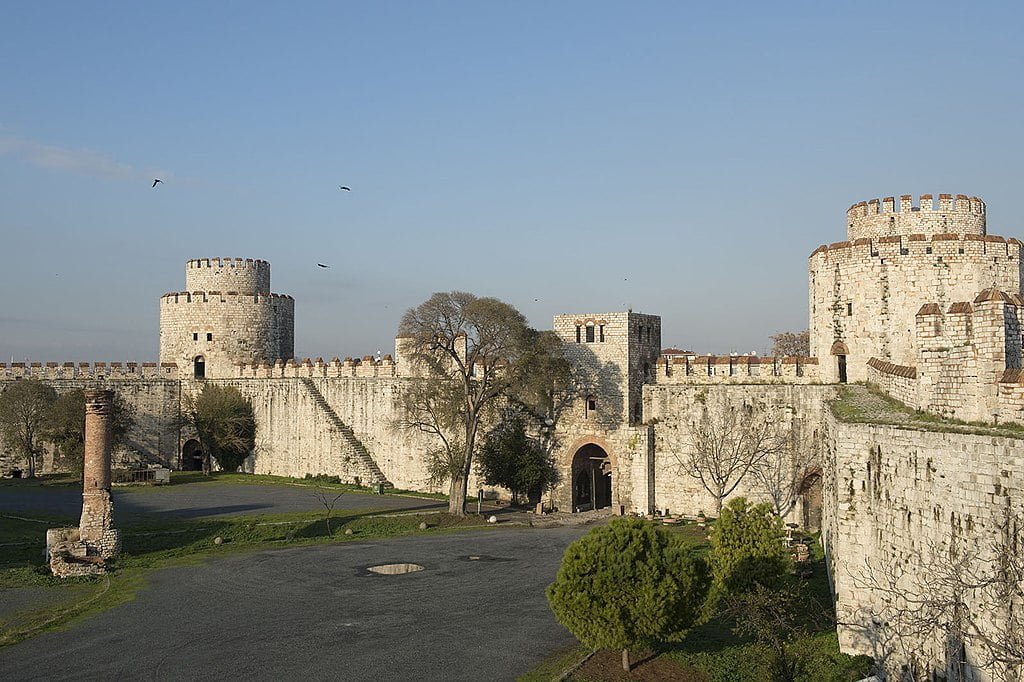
625	659
718	507
457	495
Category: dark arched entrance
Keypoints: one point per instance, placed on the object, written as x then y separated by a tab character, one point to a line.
192	456
811	495
840	350
591	478
199	364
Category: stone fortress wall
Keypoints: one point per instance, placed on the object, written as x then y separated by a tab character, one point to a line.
920	301
915	513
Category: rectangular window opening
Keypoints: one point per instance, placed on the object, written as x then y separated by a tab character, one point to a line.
600	333
590	333
849	309
577	333
195	336
209	336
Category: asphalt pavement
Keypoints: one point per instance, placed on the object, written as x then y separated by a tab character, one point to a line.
316	613
195	500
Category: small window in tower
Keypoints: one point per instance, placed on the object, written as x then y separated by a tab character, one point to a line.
577	333
195	336
849	309
589	407
960	250
928	249
904	252
600	333
590	333
209	336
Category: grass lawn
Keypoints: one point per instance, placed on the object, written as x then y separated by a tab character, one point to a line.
32	601
713	653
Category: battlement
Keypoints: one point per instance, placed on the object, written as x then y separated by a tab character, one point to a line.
965	246
742	369
368	366
887	217
176	297
96	371
248	276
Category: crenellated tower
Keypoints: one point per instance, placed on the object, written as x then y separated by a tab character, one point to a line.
866	291
226	314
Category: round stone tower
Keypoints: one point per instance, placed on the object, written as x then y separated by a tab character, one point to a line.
866	291
226	314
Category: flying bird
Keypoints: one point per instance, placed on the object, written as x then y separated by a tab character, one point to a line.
156	180
347	189
321	265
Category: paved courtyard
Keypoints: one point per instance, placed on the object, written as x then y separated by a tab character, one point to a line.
194	500
312	612
316	613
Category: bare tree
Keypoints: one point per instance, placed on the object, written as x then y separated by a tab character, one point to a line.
959	596
727	443
784	469
472	352
328	501
792	343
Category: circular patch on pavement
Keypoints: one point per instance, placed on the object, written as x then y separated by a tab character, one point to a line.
394	569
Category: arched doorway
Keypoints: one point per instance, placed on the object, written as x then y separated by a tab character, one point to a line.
199	365
192	456
811	495
591	478
840	350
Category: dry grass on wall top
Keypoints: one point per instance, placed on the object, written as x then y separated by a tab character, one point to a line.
866	404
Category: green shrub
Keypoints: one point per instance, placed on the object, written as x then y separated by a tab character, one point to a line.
747	548
628	585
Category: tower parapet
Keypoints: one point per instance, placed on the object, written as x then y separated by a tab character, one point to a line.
246	276
888	218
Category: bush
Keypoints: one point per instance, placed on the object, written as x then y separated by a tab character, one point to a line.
747	548
628	585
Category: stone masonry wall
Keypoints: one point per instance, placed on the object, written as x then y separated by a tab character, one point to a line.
865	293
672	408
915	509
152	390
743	369
886	218
225	328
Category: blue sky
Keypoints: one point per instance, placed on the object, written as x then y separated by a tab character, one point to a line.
682	159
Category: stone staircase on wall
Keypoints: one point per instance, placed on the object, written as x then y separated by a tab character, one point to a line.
363	464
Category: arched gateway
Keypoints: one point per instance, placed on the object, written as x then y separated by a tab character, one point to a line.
591	478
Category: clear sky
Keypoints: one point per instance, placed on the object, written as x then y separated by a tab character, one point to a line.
679	158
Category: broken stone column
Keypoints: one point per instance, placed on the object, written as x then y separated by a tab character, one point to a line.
83	550
96	527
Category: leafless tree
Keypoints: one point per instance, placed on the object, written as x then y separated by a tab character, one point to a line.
328	500
784	470
792	343
964	595
728	442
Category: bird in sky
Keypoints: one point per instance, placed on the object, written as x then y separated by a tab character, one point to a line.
155	181
347	189
321	265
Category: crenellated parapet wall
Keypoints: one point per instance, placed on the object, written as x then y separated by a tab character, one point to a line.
248	276
888	217
96	371
899	381
740	369
367	366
